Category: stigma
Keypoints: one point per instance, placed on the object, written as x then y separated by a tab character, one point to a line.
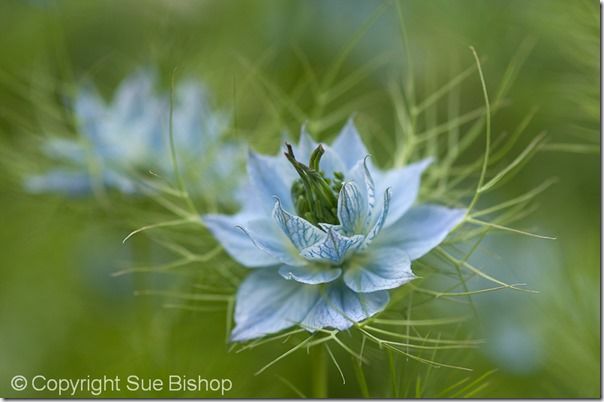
315	195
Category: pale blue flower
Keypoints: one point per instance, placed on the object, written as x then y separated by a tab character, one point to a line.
124	139
328	263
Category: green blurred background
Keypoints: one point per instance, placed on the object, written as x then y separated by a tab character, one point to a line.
64	316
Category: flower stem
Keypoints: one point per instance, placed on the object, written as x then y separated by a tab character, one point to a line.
319	372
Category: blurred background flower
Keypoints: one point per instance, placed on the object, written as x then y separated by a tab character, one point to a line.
126	141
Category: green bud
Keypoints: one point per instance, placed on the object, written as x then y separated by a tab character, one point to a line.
315	195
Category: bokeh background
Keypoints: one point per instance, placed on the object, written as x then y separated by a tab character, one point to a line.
63	315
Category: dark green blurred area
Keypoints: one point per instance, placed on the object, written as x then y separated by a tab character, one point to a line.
64	316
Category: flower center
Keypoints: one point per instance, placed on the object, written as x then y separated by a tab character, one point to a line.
315	195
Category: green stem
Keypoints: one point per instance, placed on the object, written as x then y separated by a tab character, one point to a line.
319	372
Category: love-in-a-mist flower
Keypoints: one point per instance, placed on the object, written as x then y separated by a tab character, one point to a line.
327	235
130	136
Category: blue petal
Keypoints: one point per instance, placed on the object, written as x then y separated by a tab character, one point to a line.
192	118
249	199
119	181
65	149
302	233
352	208
379	223
134	95
405	184
61	181
334	248
339	307
138	110
198	127
361	176
267	303
421	229
382	269
266	236
331	162
136	113
90	112
349	145
305	146
236	242
310	274
271	177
